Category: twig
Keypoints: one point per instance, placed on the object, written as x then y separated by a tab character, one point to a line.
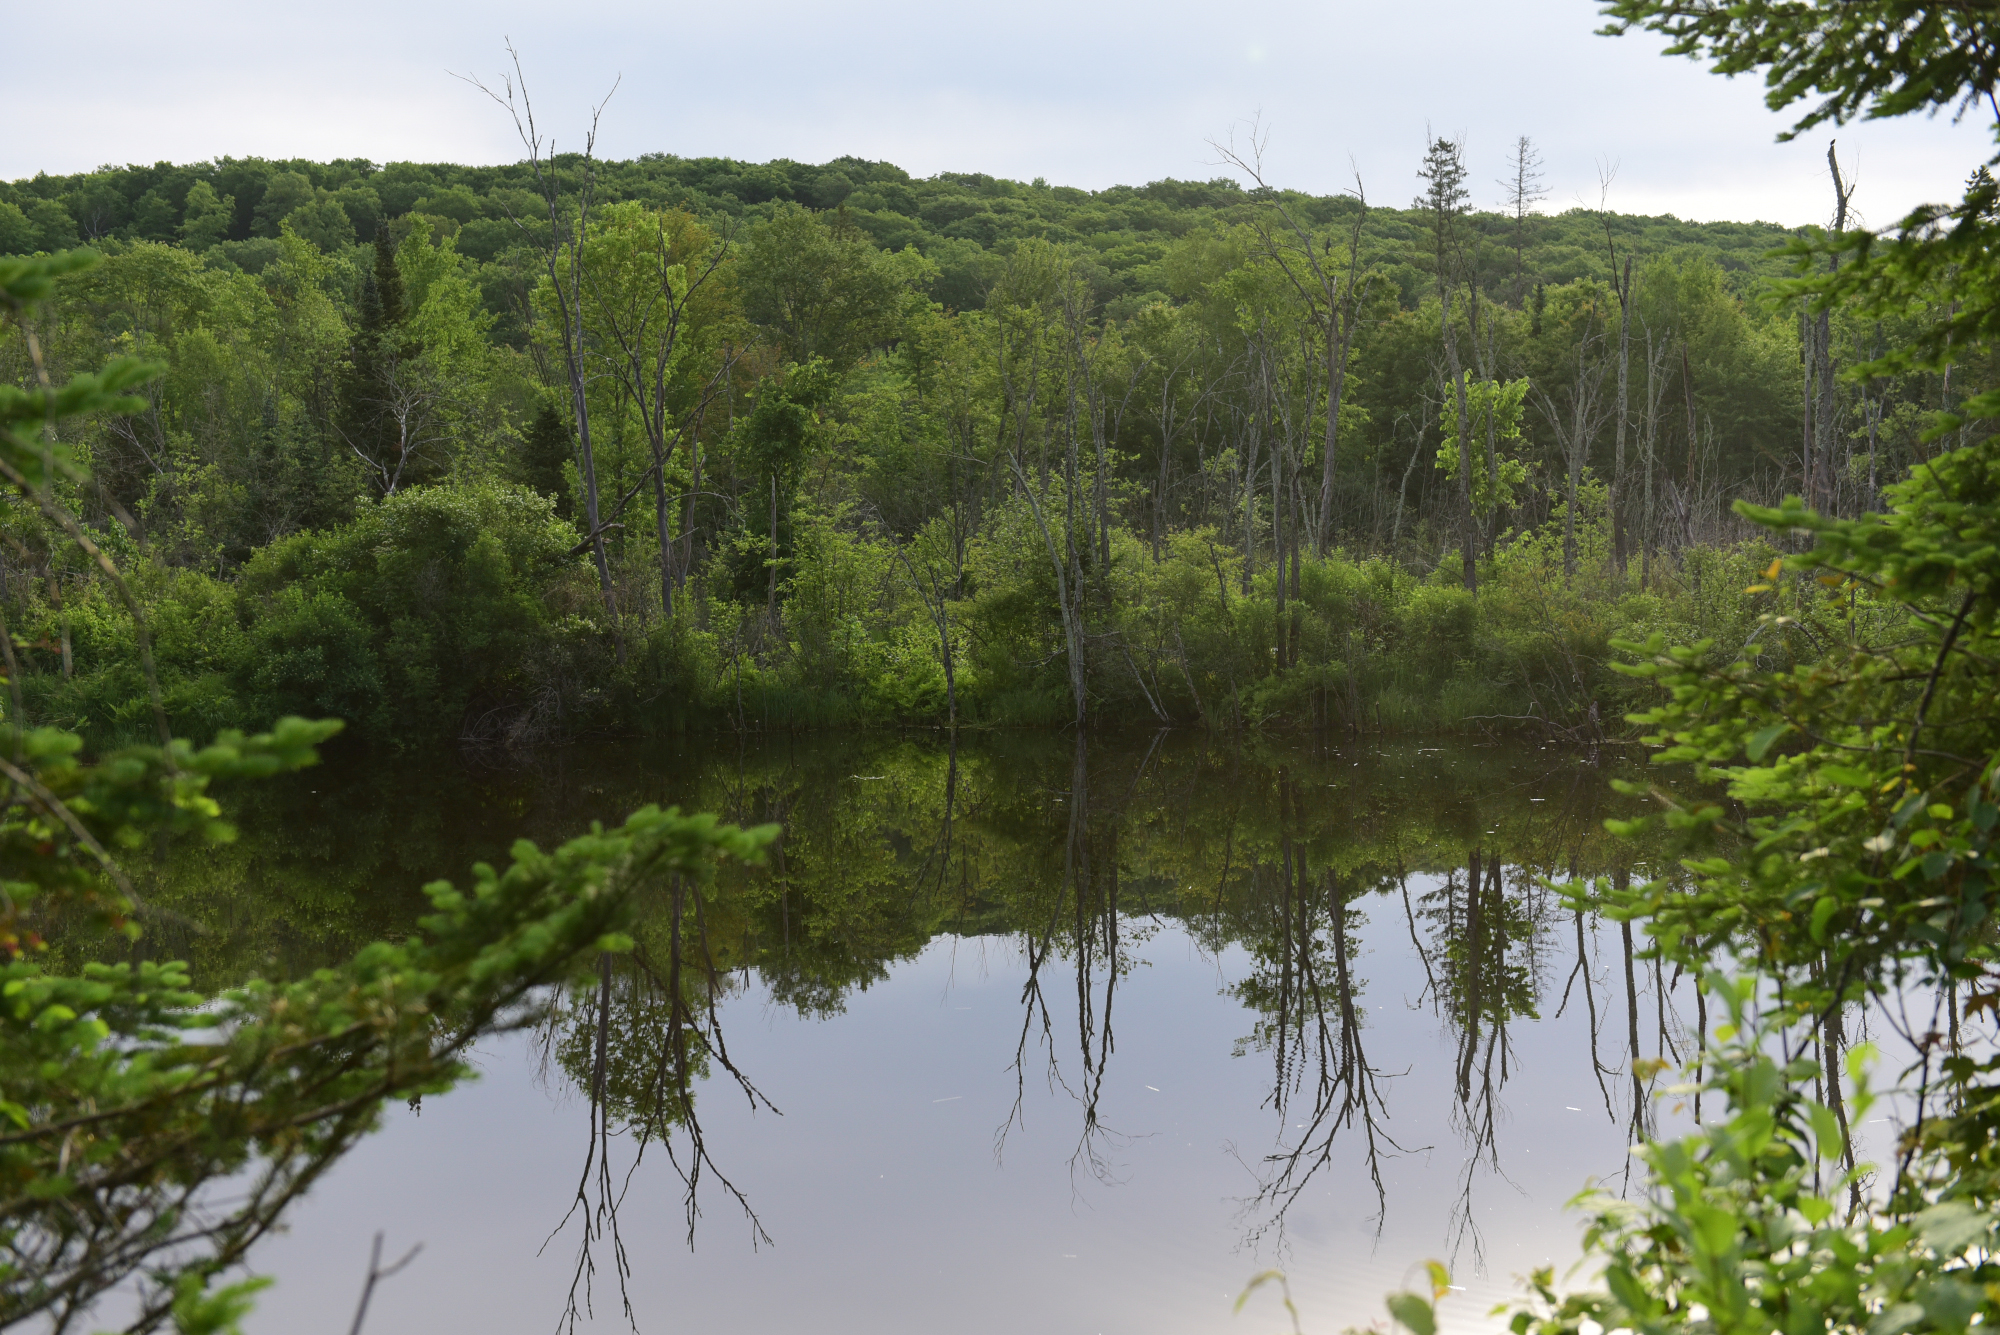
375	1273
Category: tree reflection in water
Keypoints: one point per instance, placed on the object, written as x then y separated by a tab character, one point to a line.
637	1042
1270	857
1082	922
1304	988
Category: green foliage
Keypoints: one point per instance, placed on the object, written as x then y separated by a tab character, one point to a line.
425	609
1840	847
127	1096
771	357
1745	1230
822	289
1866	775
1494	410
547	458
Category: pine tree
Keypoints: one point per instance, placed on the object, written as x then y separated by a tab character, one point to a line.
1445	195
364	424
388	281
545	455
359	414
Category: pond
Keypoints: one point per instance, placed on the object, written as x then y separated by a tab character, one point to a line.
1012	1033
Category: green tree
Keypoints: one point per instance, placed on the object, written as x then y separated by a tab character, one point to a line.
1494	405
658	322
127	1093
207	217
820	287
284	192
547	455
369	419
17	234
772	445
54	228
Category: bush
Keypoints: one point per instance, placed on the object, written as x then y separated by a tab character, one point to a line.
436	603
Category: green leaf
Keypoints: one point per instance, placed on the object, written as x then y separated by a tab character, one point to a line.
199	1312
1715	1229
1951	1303
1896	1319
1949	1227
1762	740
1257	1282
1415	1312
1826	1129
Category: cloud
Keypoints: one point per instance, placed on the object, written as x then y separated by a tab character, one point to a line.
1087	94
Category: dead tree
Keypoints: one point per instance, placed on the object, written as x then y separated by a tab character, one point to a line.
1621	287
1576	424
1523	184
1332	293
562	261
1822	484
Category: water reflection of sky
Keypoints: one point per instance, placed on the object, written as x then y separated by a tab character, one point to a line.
889	1211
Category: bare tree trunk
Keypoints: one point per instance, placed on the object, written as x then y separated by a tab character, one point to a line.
1687	387
1649	439
686	563
1249	501
1575	462
1808	363
1277	527
771	598
566	242
1166	452
1620	525
663	528
1072	630
1583	421
1825	427
1490	371
1466	518
1874	425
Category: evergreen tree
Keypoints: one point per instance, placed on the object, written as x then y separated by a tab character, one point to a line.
1443	173
545	454
388	282
359	414
375	356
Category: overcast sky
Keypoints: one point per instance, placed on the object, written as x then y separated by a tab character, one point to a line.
1084	92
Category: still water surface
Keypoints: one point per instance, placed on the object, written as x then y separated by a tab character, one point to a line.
1028	1036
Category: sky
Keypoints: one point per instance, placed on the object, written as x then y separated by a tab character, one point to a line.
1088	93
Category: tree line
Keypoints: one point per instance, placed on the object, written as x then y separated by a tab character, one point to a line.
510	453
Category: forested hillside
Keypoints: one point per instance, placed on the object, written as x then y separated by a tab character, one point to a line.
526	451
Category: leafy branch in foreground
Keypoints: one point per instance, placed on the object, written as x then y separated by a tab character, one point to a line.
1872	60
1861	786
1848	857
1744	1230
126	1097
